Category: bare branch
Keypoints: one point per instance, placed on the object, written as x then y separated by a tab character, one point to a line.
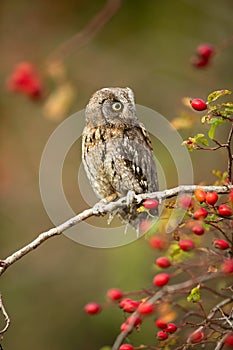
103	209
5	314
166	290
80	39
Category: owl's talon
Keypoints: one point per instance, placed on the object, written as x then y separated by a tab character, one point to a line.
130	197
98	208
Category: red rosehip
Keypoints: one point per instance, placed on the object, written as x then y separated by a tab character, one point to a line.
160	323
186	244
205	50
221	244
198	104
171	328
161	279
163	262
224	210
144	226
200	195
231	196
196	336
92	308
162	335
200	213
228	341
211	198
150	204
185	201
126	347
114	294
198	230
227	266
129	305
125	327
134	320
158	243
146	308
200	61
25	80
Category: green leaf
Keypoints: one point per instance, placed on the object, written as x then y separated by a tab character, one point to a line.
217	94
199	138
204	142
195	295
212	131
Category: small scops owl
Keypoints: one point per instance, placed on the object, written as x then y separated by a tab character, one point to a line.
116	150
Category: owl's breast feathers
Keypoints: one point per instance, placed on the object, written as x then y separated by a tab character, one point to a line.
118	159
100	134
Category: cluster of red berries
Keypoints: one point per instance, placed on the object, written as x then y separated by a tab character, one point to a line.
199	206
203	54
166	329
25	80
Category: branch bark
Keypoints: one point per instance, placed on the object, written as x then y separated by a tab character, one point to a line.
5	314
102	209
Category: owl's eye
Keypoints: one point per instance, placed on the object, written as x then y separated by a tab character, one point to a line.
117	106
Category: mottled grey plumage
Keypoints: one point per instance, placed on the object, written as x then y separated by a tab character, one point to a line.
116	149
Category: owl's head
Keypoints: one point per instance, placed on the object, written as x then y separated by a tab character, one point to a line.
111	105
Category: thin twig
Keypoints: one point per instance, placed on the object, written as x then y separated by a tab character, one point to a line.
5	314
103	209
166	290
229	154
82	38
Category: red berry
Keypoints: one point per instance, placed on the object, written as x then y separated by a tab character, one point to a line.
114	294
227	266
146	308
221	244
126	347
150	204
229	340
171	328
162	335
200	61
158	243
200	195
198	104
134	320
163	262
196	337
25	80
160	323
125	327
198	230
161	279
224	210
185	201
211	198
92	308
231	196
144	226
186	244
129	305
205	50
200	213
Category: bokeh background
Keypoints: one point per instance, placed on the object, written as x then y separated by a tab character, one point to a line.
147	46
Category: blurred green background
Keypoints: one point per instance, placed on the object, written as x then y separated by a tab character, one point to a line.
147	46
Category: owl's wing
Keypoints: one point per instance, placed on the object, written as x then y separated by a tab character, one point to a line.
131	162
